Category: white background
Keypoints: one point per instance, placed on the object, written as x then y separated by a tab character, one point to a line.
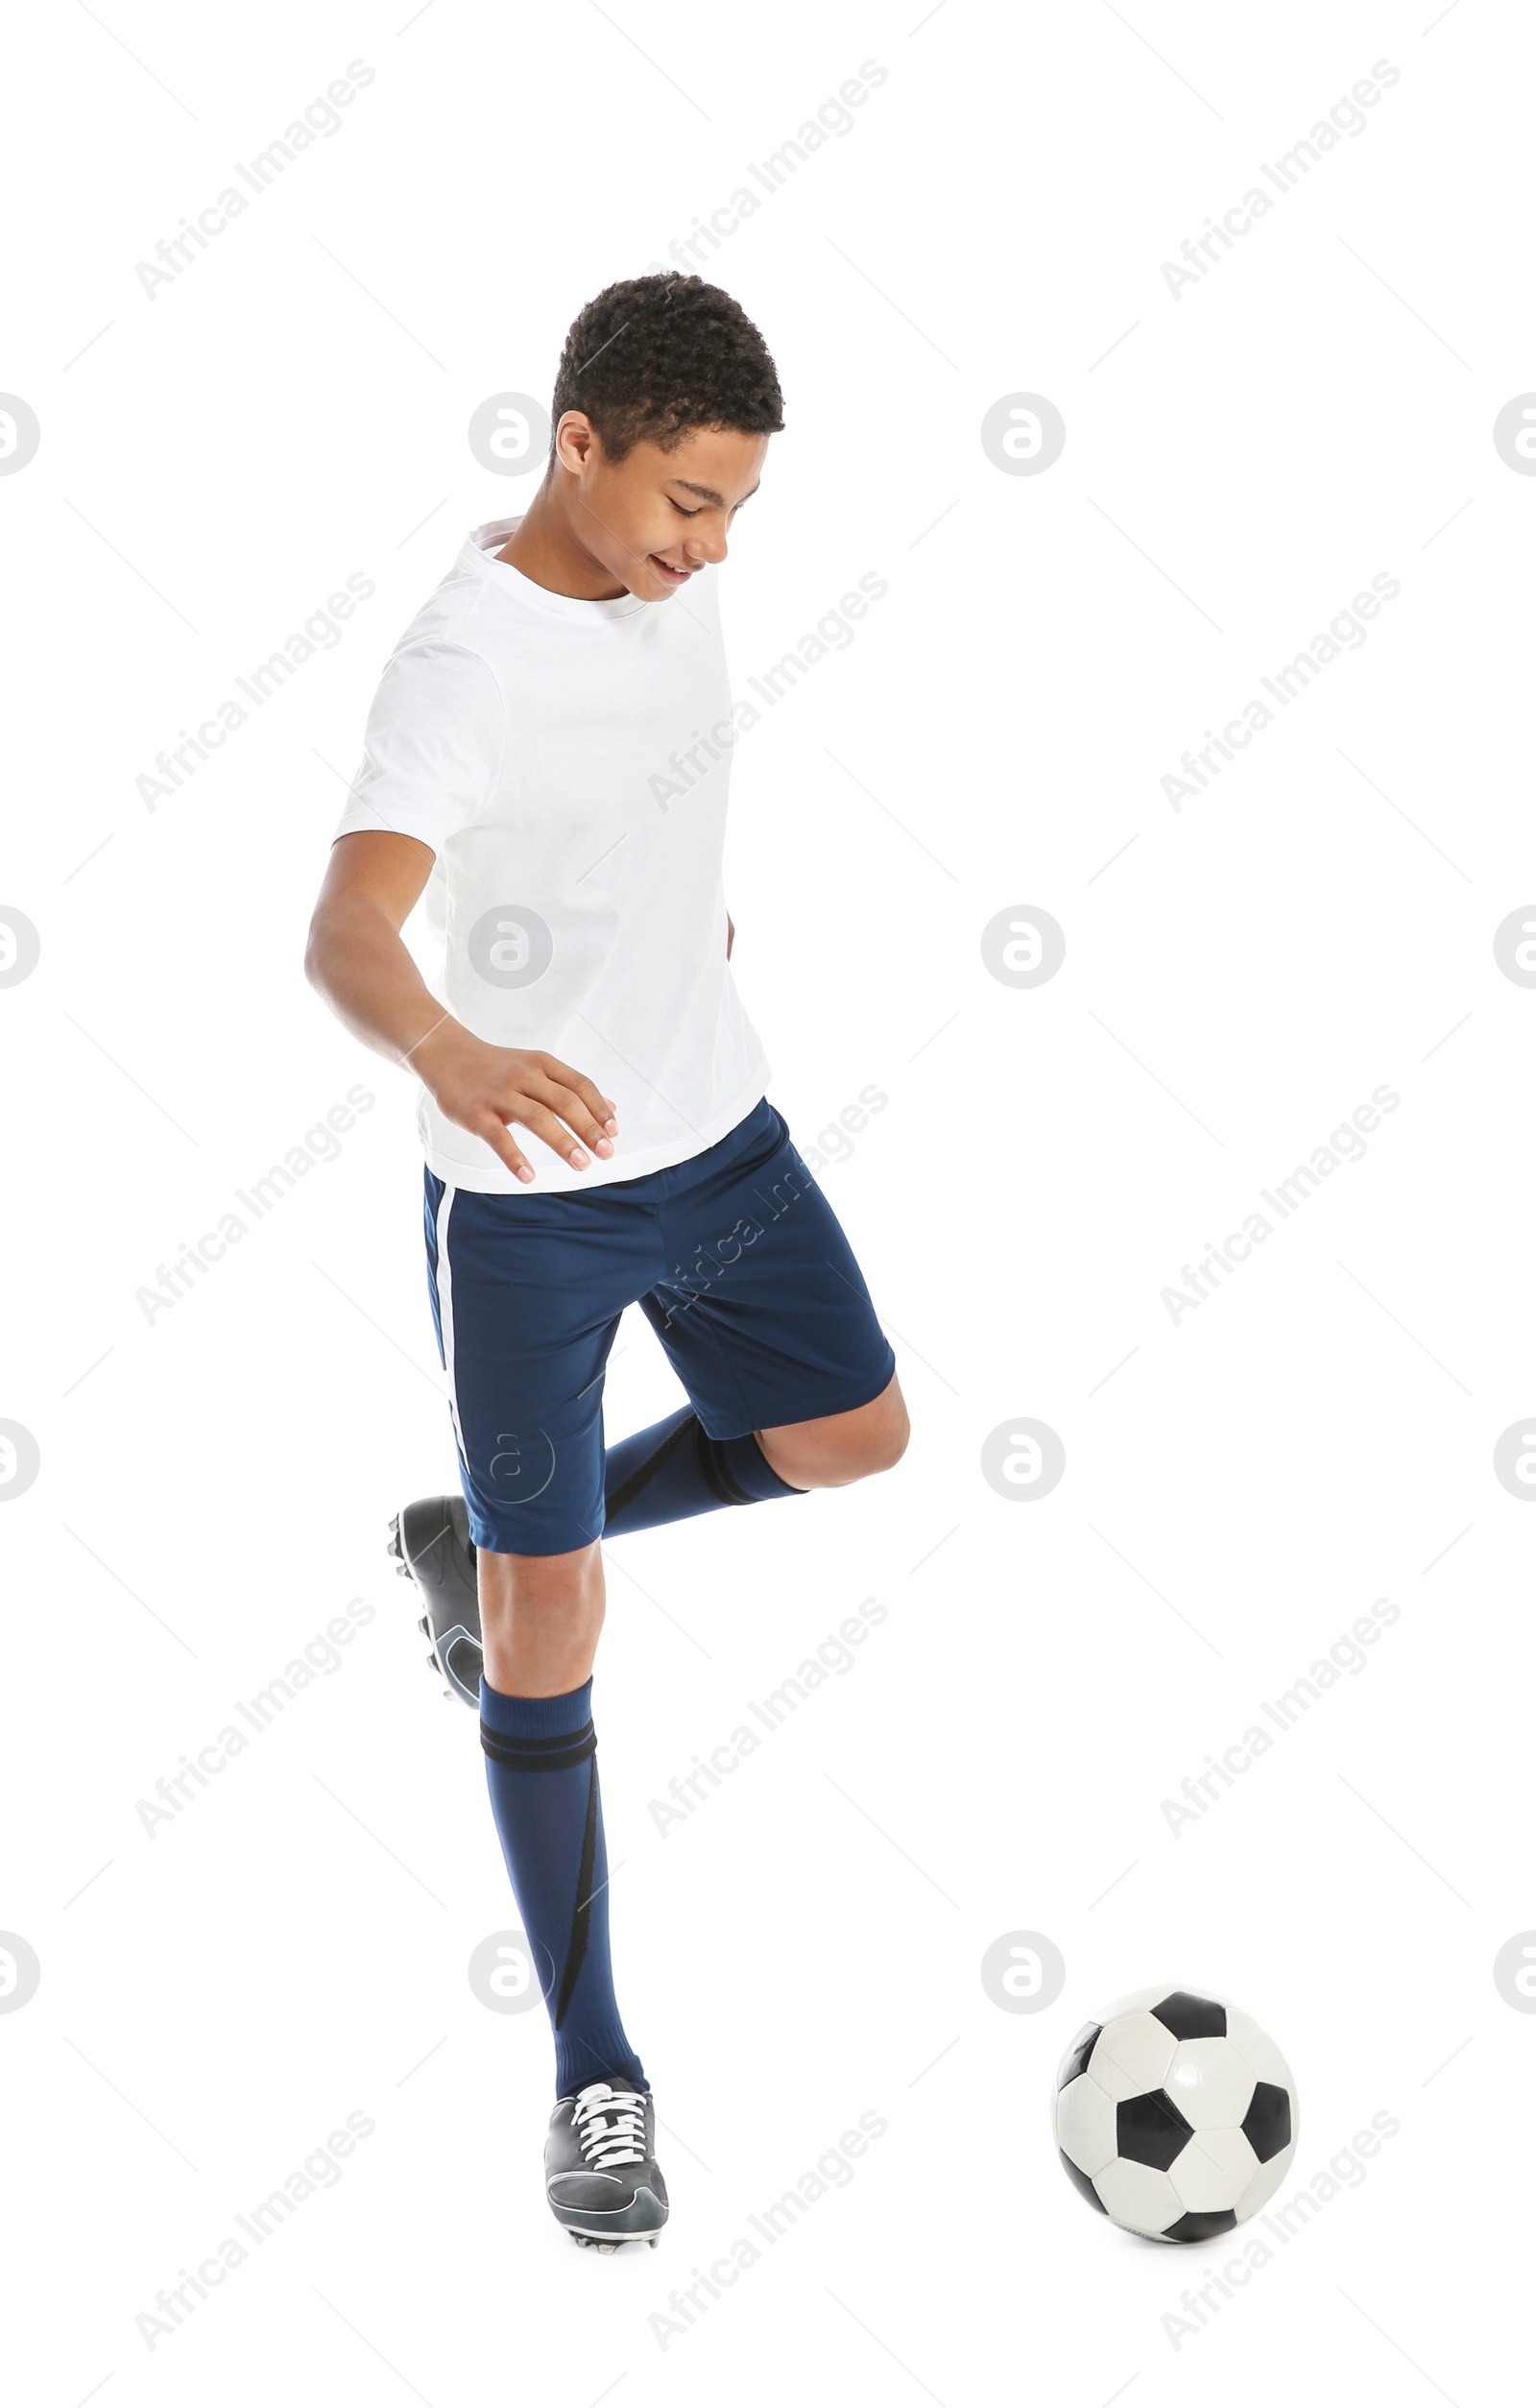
1239	1485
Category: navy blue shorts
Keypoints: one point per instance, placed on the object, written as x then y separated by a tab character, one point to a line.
734	1256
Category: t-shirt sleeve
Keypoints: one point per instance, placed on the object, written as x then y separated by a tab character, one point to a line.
432	748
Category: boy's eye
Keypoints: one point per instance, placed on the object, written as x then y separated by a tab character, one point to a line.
685	513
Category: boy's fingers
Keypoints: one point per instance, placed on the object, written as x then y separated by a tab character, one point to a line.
542	1122
560	1074
573	1108
565	1096
494	1130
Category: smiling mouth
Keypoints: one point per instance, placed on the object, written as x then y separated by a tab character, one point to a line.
665	565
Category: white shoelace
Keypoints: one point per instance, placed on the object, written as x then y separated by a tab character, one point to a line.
609	2126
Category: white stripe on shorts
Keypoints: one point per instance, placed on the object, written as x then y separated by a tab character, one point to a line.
446	1304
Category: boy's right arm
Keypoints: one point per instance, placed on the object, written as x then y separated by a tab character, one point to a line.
357	959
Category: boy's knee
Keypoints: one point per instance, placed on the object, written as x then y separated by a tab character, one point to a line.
887	1444
873	1441
521	1587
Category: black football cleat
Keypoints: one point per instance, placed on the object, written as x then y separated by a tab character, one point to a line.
431	1545
601	2176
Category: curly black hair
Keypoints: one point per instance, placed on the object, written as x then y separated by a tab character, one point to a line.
658	355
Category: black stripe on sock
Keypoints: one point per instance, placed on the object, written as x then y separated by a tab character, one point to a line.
718	1472
630	1488
582	1918
539	1741
555	1753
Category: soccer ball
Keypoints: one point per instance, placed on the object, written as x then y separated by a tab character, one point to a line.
1175	2117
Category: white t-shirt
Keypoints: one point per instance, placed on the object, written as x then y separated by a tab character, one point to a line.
567	763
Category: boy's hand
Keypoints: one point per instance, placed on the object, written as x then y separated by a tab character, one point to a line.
482	1087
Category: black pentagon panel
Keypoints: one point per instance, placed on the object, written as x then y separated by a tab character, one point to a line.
1083	2183
1266	2126
1150	2131
1077	2056
1191	2018
1205	2226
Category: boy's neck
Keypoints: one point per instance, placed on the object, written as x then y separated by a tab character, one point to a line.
544	549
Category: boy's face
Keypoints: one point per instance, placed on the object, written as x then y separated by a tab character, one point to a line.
659	516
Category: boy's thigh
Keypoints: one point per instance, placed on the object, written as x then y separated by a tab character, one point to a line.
527	1294
764	1314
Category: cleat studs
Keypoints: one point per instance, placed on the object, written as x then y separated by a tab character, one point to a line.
424	1628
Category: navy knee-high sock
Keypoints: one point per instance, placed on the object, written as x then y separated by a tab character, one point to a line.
675	1469
541	1771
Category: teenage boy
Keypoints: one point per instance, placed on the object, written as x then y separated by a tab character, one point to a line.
547	755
